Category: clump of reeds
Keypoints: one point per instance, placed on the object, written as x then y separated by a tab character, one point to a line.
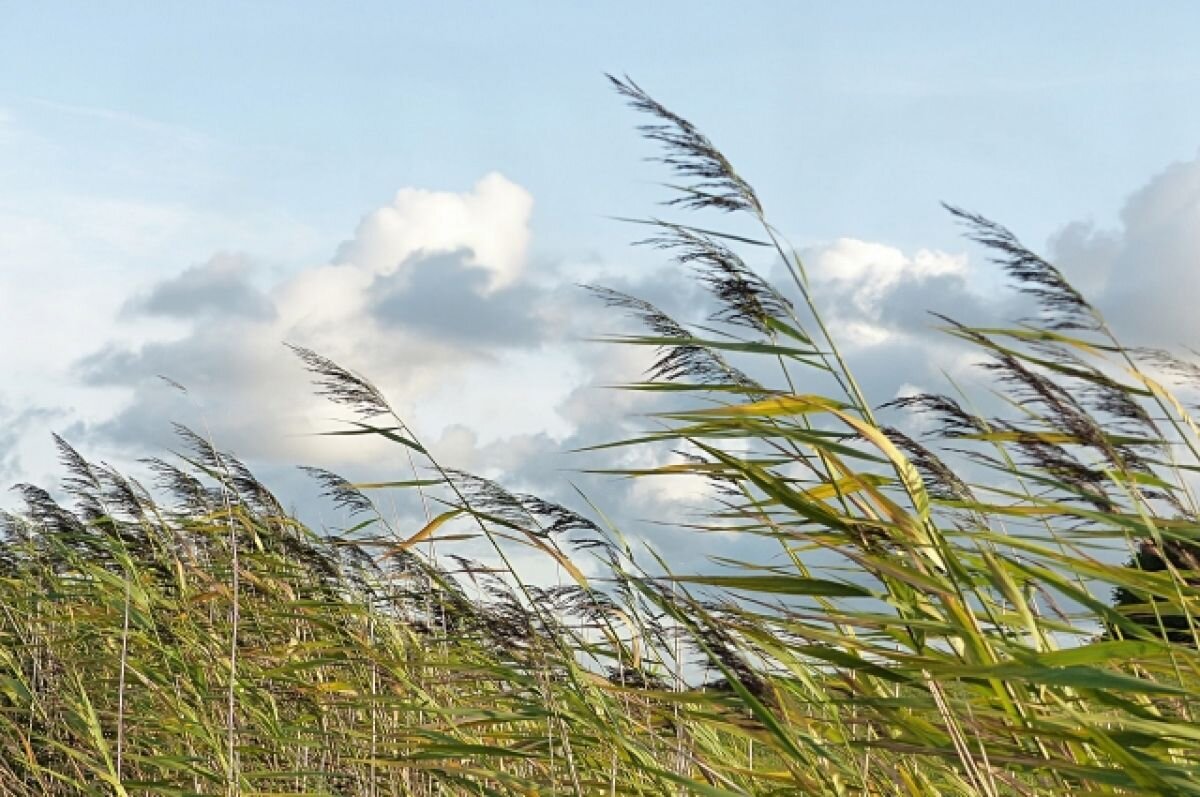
939	621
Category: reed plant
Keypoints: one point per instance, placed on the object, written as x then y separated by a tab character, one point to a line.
937	616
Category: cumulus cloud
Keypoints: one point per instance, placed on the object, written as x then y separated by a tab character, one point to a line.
858	282
1143	274
446	297
220	287
428	286
491	221
873	269
240	388
484	354
13	425
435	298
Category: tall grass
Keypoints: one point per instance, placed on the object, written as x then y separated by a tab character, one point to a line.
939	619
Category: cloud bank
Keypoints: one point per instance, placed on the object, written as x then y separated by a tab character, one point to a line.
484	350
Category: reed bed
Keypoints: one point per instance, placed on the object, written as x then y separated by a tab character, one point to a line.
1008	605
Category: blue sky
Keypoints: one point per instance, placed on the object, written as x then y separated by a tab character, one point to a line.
851	118
154	153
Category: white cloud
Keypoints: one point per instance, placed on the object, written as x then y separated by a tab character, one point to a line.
676	491
869	271
322	295
257	399
491	220
1144	274
855	281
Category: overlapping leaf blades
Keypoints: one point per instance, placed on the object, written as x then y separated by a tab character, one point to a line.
912	616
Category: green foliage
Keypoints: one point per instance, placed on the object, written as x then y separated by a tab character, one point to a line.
934	621
1181	557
